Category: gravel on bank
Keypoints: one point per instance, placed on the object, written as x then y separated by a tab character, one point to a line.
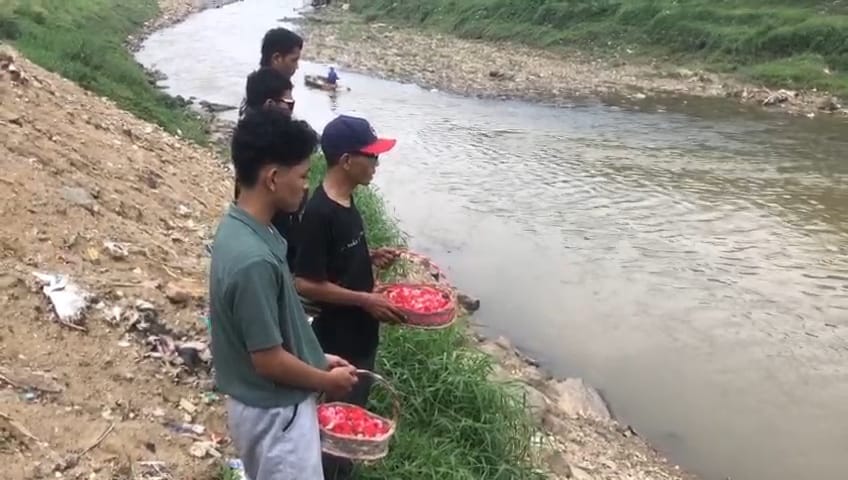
512	71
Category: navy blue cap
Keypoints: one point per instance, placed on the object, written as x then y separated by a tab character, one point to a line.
346	134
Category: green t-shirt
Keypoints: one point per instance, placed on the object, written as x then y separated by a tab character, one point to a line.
253	306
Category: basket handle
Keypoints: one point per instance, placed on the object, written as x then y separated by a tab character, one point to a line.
388	386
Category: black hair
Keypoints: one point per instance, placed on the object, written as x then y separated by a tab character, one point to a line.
265	84
269	136
332	158
279	40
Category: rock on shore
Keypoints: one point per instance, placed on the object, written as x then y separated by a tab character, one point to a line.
579	437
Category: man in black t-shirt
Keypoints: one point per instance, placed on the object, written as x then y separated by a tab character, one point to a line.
268	88
334	264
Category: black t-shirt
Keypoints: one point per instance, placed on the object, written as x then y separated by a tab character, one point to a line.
288	224
333	248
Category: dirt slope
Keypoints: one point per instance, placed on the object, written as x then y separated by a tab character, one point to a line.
75	173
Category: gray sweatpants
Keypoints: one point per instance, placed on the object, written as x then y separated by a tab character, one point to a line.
277	443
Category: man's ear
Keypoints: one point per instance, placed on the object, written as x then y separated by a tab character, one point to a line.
344	161
268	176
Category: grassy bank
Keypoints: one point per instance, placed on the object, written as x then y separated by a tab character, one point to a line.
84	41
793	43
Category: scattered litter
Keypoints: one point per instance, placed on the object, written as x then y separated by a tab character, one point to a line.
142	318
204	449
151	471
781	96
190	429
69	301
193	354
124	344
183	211
237	469
153	412
210	398
188	406
29	397
92	255
117	251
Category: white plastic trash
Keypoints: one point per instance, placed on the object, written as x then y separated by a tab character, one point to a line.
237	469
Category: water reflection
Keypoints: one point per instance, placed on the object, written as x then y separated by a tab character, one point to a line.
691	263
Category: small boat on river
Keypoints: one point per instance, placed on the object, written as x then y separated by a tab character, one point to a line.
318	82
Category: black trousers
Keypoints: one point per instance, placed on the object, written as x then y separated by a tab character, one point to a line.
336	468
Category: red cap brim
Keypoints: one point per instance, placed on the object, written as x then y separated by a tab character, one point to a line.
381	146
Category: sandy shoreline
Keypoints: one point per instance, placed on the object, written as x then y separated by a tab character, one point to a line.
510	71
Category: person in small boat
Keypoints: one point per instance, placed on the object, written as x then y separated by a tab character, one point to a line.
332	77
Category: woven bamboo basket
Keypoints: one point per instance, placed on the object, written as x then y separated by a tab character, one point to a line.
363	449
426	321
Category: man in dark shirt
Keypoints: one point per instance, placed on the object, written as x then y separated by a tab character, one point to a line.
334	264
269	88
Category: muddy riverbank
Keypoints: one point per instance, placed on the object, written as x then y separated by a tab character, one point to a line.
511	71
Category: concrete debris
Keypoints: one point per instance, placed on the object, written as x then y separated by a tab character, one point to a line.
204	449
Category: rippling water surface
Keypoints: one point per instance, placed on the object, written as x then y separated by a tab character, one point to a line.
687	257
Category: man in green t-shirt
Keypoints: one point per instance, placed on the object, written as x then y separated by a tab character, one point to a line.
266	358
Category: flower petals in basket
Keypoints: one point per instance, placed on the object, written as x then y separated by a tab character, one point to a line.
350	431
425	305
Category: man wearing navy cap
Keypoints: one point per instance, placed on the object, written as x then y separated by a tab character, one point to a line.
334	264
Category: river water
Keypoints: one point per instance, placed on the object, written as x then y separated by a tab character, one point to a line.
686	257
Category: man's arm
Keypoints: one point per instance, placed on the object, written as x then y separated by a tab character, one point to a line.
255	306
283	368
328	292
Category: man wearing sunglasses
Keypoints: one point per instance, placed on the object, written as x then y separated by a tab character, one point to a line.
268	88
334	264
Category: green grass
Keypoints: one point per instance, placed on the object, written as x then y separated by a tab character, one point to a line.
83	40
784	42
455	423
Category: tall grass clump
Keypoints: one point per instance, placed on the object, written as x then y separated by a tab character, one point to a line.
84	41
736	35
455	423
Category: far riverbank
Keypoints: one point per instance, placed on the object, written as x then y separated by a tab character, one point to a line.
511	71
